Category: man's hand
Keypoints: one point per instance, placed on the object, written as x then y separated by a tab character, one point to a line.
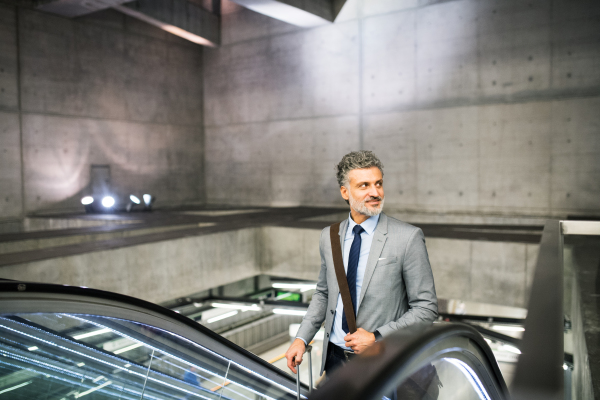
294	354
359	340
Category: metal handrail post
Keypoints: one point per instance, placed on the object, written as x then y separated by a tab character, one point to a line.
310	377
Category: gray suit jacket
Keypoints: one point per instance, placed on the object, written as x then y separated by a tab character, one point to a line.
397	291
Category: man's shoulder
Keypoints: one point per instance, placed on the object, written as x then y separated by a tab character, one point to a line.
396	224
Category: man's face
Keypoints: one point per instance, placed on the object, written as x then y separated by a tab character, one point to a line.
365	191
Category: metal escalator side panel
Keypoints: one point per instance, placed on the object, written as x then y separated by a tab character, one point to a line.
176	342
448	359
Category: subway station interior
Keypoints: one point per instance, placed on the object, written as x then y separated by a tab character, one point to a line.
168	171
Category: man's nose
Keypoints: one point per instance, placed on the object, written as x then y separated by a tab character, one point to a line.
373	192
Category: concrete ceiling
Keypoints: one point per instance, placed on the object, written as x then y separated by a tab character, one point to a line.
305	13
191	20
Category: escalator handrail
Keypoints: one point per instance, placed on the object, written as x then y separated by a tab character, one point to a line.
8	286
364	378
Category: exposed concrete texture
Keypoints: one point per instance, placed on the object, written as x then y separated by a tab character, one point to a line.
481	271
103	89
474	107
10	137
156	272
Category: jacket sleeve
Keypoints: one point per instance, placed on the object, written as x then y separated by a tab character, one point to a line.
317	310
420	289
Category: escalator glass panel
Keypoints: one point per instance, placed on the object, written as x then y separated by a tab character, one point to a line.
73	356
447	378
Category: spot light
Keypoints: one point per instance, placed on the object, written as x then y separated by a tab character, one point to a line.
148	201
108	202
88	204
133	201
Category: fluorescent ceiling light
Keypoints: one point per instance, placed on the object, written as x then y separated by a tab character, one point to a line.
508	328
134	199
124	349
487	340
90	334
284	311
15	387
222	316
511	349
302	286
98	378
92	389
242	307
87	200
127	365
32	348
81	364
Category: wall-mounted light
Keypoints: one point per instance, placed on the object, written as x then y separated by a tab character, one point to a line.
133	201
88	204
108	202
148	201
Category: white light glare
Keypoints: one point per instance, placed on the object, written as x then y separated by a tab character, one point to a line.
108	201
15	387
508	328
242	307
222	316
124	349
302	286
471	377
512	349
81	364
32	348
565	367
147	198
90	334
87	200
93	389
134	199
487	340
284	311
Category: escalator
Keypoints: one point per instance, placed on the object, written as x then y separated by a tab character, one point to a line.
63	343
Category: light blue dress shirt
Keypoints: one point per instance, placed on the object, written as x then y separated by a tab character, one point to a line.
337	334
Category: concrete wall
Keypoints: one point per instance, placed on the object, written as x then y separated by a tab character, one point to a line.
480	271
156	272
102	89
480	107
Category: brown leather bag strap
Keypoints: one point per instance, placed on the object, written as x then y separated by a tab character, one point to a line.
340	273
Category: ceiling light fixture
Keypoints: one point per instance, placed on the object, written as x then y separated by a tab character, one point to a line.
284	311
222	316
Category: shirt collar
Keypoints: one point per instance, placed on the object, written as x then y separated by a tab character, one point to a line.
369	225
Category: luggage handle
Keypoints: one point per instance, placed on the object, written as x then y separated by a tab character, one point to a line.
310	378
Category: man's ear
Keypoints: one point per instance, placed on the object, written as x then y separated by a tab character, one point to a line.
344	193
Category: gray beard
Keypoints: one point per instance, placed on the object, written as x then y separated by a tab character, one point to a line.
361	208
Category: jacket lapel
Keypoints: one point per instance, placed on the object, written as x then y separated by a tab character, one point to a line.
376	247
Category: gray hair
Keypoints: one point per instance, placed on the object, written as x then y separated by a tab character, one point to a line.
356	160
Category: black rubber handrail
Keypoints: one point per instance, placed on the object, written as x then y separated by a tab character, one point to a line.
45	288
371	377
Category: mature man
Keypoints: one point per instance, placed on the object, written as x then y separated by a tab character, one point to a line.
387	270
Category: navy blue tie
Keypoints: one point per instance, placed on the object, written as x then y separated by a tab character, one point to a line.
352	270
